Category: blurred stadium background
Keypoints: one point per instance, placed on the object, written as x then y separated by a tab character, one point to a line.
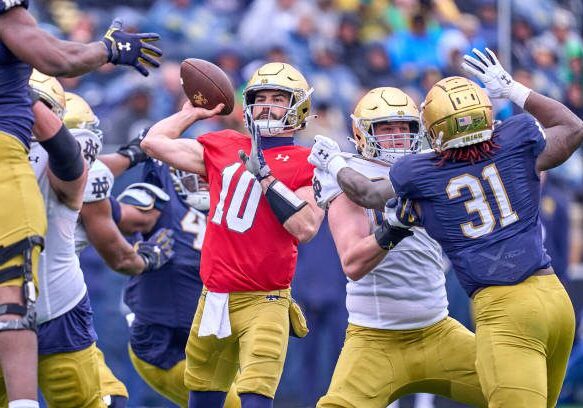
344	47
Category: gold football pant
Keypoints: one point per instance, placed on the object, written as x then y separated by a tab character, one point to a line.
258	344
376	367
170	383
22	210
110	384
524	335
73	380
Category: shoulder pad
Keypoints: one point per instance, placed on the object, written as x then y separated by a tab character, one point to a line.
326	189
99	183
144	196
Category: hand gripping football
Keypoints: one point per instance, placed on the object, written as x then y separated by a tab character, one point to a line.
206	85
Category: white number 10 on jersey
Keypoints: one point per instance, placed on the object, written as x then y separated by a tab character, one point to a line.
236	221
479	204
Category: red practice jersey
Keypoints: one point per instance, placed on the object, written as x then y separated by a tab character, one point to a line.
245	246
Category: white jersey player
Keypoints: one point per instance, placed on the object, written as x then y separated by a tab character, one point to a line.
400	339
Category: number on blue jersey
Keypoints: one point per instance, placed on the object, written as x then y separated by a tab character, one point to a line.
194	223
479	204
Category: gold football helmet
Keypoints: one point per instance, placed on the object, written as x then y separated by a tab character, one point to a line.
278	76
457	113
385	105
51	92
79	114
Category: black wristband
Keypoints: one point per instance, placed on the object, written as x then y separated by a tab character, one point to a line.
65	158
387	235
283	201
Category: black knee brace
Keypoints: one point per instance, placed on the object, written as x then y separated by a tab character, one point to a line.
28	311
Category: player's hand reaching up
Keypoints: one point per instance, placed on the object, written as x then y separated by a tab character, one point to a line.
498	82
157	250
125	48
255	161
326	155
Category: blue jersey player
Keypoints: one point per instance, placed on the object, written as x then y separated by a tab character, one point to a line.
22	216
478	194
163	302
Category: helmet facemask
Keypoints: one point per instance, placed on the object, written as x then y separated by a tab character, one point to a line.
191	188
400	144
290	121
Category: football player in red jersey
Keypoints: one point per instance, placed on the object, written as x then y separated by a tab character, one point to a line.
262	205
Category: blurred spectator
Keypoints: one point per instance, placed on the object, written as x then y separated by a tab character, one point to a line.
270	22
376	69
488	15
132	116
546	70
230	59
522	34
330	122
351	48
411	51
561	35
169	93
190	27
574	98
333	82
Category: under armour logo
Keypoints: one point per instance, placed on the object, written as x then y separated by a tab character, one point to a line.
324	155
90	151
271	298
33	159
100	186
281	157
127	46
506	79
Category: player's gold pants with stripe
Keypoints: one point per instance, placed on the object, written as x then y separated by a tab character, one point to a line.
22	210
78	379
258	344
170	383
376	367
524	335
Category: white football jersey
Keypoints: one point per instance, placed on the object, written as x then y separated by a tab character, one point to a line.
406	290
98	187
61	282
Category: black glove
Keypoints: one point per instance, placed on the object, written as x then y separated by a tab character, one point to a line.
131	49
7	5
388	236
133	151
157	250
404	212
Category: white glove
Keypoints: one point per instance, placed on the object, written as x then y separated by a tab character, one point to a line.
326	155
498	82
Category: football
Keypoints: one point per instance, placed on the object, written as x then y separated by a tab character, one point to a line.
206	85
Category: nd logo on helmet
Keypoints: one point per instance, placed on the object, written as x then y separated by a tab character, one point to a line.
199	99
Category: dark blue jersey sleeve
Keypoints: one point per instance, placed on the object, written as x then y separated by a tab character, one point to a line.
406	175
524	131
10	4
154	173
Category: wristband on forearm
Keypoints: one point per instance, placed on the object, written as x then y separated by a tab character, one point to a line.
283	201
336	164
388	236
519	93
65	158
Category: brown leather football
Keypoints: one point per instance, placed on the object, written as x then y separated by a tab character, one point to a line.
206	85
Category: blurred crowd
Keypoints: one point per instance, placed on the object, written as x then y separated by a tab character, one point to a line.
344	48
